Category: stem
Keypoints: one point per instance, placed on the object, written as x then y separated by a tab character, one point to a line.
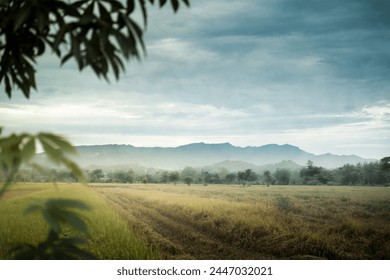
8	181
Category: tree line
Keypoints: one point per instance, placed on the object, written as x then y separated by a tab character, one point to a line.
372	173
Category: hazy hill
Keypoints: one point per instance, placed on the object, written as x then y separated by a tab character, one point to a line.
201	154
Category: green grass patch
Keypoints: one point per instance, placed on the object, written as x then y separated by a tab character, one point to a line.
109	236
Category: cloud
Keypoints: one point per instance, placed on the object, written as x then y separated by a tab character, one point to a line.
379	112
310	73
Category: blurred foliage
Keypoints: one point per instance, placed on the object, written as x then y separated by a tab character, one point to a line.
18	149
99	34
57	213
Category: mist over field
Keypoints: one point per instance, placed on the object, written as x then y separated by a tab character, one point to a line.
202	155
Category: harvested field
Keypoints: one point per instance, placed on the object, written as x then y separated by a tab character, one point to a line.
231	222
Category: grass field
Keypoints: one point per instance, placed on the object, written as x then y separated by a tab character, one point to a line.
109	236
215	221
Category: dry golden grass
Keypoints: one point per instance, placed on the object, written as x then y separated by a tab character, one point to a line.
280	222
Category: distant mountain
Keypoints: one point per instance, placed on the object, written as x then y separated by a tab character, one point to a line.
201	154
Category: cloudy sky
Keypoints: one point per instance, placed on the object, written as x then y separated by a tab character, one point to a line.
315	74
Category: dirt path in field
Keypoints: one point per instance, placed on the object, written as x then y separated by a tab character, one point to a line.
174	234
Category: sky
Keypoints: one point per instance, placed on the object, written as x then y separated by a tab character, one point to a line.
314	74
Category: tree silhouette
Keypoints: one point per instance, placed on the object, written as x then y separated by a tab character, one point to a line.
267	177
101	34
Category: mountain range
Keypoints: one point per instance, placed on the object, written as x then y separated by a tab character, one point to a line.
211	155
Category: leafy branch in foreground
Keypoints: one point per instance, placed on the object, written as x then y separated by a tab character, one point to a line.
19	149
100	34
57	213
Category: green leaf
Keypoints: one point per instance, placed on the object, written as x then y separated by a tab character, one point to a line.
76	5
116	6
88	15
40	46
8	88
130	6
66	58
57	142
28	150
104	14
76	170
144	11
76	52
52	219
175	5
54	154
162	3
38	168
59	211
59	37
123	44
68	203
73	220
22	16
115	67
32	209
135	35
43	20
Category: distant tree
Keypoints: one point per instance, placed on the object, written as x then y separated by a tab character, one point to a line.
230	178
372	173
188	172
282	176
267	177
241	177
385	166
385	163
311	174
210	177
350	174
164	177
121	176
66	176
246	177
96	175
174	177
325	176
213	178
188	180
250	176
222	173
145	180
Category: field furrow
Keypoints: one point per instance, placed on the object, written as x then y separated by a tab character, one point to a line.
229	222
177	235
